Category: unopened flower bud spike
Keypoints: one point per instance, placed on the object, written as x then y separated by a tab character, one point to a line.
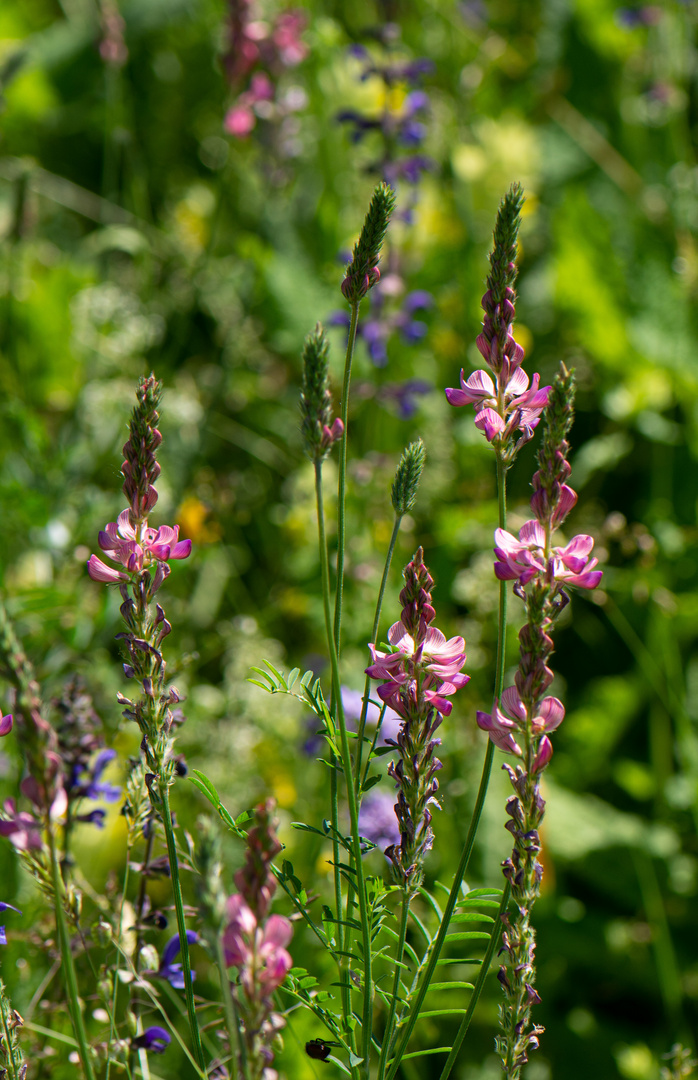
403	495
360	275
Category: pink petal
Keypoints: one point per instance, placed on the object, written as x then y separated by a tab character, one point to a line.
278	931
124	525
551	712
579	546
398	636
99	572
513	704
182	550
6	725
518	382
545	752
490	422
457	397
532	533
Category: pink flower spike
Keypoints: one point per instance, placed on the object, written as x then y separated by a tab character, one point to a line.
5	724
98	571
545	752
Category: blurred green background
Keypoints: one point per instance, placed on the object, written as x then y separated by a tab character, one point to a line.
139	234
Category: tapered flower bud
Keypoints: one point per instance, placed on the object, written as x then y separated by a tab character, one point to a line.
362	273
318	428
407	477
140	469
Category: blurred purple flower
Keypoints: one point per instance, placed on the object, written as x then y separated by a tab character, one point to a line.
170	971
86	783
403	394
153	1038
377	820
4	907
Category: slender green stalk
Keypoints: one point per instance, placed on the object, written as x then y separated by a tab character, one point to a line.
334	796
342	487
374	635
479	983
351	795
119	929
164	792
389	1033
479	803
231	1020
71	982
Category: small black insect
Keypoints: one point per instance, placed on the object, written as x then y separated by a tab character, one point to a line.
318	1049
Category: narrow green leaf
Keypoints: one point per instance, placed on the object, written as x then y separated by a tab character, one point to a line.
292	676
472	935
443	1012
451	986
262	686
471	916
338	1063
425	1053
483	892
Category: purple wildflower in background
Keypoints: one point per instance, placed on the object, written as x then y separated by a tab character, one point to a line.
404	395
155	1039
168	969
86	783
382	321
5	907
377	821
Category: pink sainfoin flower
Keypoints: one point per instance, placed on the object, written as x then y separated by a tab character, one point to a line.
136	548
526	558
255	943
259	951
430	669
416	680
507	403
129	541
257	53
522	722
511	720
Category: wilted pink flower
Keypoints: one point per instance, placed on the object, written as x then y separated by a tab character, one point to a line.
134	549
525	558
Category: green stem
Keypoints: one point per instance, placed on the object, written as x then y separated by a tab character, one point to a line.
479	802
342	965
119	930
374	635
388	1035
348	777
342	488
480	982
166	814
71	982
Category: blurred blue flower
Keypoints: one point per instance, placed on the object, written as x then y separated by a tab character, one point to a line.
153	1038
377	820
170	971
4	907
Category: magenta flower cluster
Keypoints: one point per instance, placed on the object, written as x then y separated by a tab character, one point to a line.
510	405
510	720
530	556
257	949
423	670
136	548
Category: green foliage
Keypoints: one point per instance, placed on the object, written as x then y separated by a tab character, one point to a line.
139	235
